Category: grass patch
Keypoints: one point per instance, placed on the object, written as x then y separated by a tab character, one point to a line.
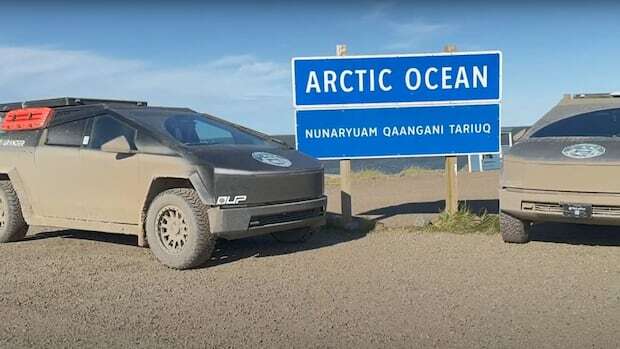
332	179
464	222
372	174
363	174
368	174
414	171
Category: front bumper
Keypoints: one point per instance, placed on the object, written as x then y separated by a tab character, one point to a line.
235	223
546	205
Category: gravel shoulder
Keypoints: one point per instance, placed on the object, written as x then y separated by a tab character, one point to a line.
401	201
390	288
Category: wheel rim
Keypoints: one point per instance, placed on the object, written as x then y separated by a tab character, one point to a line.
172	229
2	214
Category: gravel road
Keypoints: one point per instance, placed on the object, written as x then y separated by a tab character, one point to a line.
389	288
413	200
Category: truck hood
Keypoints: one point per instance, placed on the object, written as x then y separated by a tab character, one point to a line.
259	174
253	159
564	164
568	151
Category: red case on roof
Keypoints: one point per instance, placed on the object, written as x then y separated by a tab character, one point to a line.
27	119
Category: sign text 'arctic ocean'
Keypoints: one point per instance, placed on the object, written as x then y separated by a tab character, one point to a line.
398	105
397	79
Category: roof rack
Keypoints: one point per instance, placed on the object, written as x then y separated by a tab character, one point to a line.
66	102
597	95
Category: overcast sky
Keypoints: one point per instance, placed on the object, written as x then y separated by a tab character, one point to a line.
233	59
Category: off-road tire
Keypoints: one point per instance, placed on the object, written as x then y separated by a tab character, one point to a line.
294	236
13	227
513	229
200	242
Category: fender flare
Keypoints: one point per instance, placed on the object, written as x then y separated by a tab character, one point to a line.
194	180
201	189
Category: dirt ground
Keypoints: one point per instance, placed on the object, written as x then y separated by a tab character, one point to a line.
388	288
413	200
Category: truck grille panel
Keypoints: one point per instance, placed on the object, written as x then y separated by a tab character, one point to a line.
268	189
285	217
607	211
550	208
557	209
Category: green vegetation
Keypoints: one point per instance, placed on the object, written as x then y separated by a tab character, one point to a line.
372	174
414	171
368	174
464	222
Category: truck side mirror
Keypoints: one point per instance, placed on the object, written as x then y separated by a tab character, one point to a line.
118	145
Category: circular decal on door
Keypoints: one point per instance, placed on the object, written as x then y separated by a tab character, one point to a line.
583	151
271	159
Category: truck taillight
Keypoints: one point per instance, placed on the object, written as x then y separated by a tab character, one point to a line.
26	119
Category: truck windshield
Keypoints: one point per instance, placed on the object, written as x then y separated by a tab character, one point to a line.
198	130
602	123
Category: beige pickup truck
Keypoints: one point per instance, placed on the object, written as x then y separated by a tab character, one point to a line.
565	169
176	178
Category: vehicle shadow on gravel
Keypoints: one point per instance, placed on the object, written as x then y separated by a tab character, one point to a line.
433	207
234	250
118	239
574	234
266	246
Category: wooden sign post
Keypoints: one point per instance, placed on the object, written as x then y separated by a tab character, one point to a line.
345	172
451	170
371	106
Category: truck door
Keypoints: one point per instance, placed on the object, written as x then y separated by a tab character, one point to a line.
110	165
57	180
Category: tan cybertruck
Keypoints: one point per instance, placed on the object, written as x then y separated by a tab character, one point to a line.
565	169
176	178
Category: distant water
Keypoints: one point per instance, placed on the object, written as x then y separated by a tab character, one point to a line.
389	166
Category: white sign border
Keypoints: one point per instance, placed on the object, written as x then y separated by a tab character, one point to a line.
499	139
396	104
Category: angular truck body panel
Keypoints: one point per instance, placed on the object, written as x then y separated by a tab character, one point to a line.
567	168
66	178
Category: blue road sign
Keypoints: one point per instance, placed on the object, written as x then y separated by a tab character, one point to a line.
399	132
398	105
341	82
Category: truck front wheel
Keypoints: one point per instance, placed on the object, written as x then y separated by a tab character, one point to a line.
177	229
513	229
13	227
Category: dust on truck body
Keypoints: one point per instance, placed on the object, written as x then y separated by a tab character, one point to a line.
565	169
176	178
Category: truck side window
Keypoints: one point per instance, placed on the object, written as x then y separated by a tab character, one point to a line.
209	133
107	128
67	135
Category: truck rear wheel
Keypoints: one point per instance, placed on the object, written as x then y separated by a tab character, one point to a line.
513	229
293	236
177	229
13	227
